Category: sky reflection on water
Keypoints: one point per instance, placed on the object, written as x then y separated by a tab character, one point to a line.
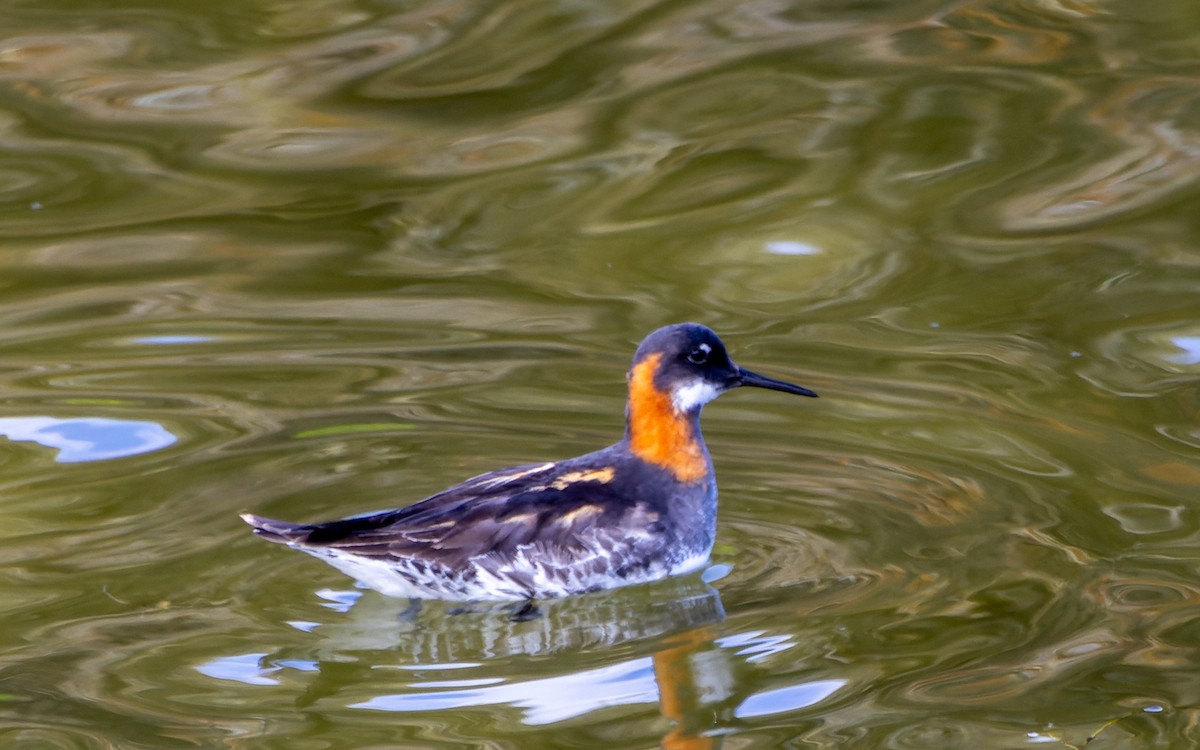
88	438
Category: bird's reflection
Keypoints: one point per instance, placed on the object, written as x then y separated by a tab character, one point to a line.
665	644
661	632
440	633
686	683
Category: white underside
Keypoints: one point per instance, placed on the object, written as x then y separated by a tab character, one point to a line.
690	564
491	583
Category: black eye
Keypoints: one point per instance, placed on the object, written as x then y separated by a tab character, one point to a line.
698	356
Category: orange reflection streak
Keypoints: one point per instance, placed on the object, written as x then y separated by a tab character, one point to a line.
677	690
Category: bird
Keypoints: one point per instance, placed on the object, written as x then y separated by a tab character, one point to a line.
636	511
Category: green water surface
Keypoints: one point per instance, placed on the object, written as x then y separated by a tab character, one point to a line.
317	258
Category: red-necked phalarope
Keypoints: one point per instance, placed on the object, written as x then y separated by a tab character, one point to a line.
636	511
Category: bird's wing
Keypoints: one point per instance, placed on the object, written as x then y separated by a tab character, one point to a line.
570	544
565	518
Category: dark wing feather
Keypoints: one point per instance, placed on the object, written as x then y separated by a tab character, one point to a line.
429	519
564	523
557	519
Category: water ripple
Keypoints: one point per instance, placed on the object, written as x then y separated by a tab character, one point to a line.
94	187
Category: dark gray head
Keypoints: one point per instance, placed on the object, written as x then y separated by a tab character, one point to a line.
692	367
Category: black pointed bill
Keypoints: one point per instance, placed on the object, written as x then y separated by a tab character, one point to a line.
753	379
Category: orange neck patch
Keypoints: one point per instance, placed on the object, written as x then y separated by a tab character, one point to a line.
657	433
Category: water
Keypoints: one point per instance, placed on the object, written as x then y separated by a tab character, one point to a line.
315	259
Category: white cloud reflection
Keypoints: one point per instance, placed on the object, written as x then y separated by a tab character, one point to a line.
546	700
88	438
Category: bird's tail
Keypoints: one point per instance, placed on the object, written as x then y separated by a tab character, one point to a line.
282	532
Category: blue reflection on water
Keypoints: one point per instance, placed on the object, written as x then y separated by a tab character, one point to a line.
1191	350
339	601
546	701
792	247
88	438
244	668
172	339
790	698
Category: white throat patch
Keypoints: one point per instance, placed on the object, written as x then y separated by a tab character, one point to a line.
695	394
